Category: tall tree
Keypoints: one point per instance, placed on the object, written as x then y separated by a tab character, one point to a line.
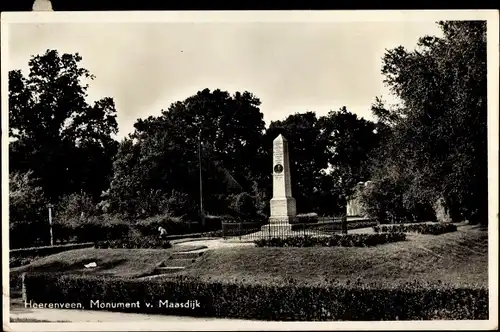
350	140
54	132
440	133
162	154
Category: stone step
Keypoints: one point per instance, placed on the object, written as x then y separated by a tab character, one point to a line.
186	254
179	262
169	269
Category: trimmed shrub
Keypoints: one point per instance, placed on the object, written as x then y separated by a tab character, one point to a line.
94	228
173	225
139	242
214	223
432	229
336	240
62	232
337	226
287	301
361	224
218	233
29	233
238	229
47	250
243	205
28	222
20	261
307	218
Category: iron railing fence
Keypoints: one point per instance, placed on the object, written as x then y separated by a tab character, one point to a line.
325	227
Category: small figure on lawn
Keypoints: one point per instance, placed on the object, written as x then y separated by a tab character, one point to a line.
163	232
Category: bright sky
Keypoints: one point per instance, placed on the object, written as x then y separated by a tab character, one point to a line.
291	66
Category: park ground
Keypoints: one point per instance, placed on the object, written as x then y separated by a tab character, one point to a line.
459	258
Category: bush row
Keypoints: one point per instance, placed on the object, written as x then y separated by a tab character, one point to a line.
24	256
214	225
337	226
229	229
336	240
20	261
107	228
173	225
148	242
28	233
307	218
288	301
432	229
91	229
47	250
15	281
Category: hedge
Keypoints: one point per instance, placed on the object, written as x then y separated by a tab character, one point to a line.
173	225
15	281
24	256
307	218
288	301
219	233
150	242
48	250
336	240
337	226
20	261
28	233
432	229
238	229
99	228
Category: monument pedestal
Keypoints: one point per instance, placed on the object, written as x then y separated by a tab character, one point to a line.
283	206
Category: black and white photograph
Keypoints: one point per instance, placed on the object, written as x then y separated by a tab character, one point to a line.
249	170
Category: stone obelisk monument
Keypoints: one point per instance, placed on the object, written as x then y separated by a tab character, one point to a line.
283	206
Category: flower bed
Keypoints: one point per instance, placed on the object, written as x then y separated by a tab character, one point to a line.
337	226
336	240
433	229
150	242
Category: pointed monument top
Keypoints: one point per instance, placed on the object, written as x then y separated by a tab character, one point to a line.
280	137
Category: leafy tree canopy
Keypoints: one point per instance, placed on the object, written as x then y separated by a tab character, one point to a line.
66	142
438	132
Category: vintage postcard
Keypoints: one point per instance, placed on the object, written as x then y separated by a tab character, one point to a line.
256	170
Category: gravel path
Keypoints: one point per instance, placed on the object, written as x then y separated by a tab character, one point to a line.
215	244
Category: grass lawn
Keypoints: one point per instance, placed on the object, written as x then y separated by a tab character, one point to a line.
118	262
460	258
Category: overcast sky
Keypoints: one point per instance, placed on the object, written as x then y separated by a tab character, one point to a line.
291	67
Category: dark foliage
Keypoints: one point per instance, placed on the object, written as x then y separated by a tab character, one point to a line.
433	229
336	240
139	242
